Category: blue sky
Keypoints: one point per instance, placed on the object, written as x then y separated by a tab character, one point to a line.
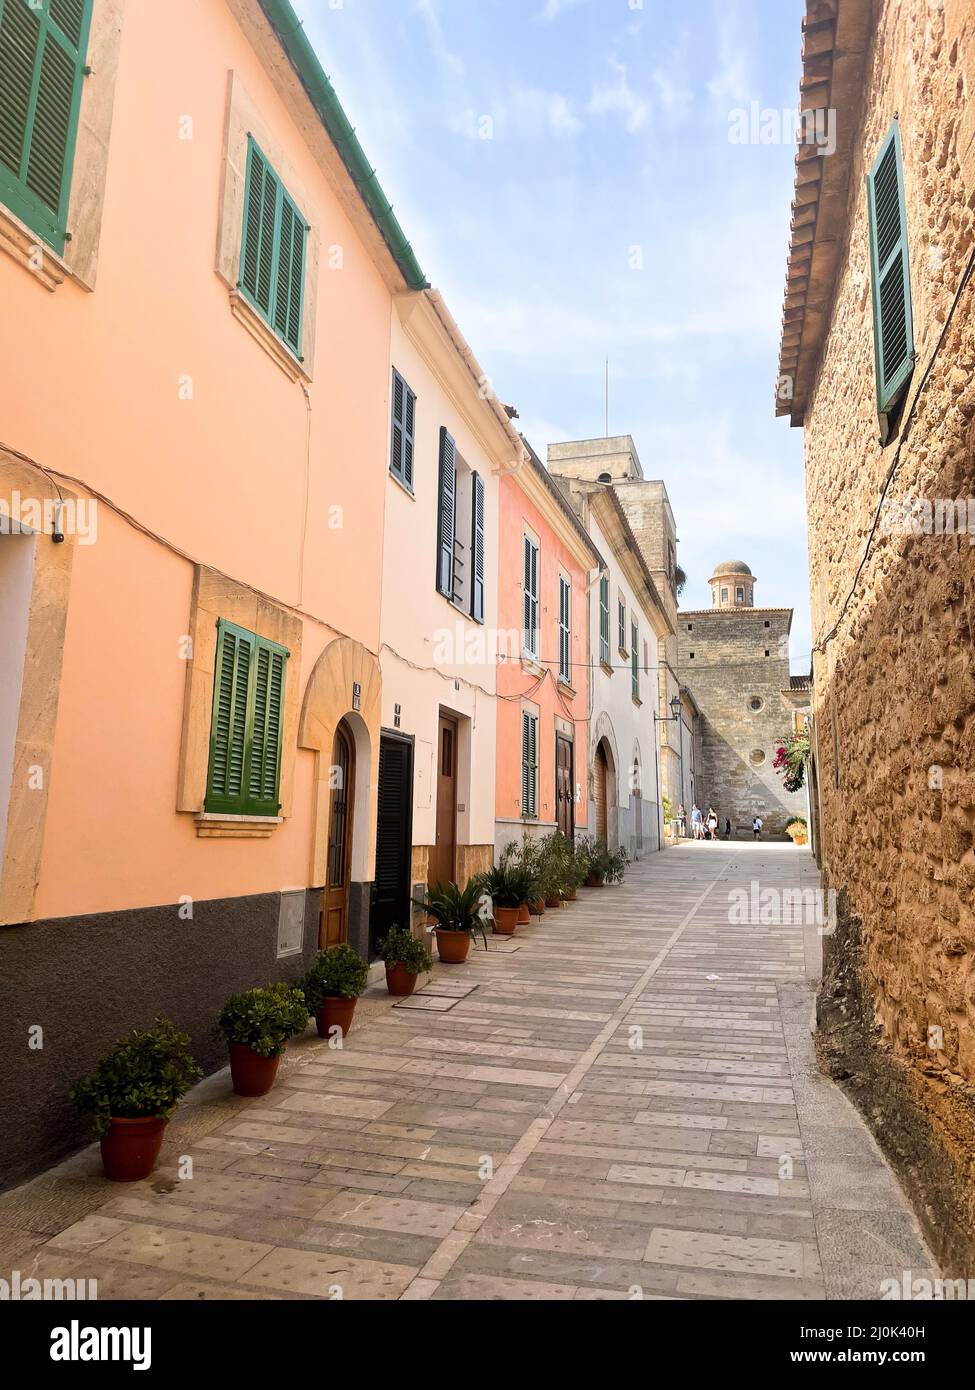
607	213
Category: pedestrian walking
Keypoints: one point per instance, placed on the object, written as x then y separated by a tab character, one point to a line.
727	829
712	823
757	827
697	822
681	822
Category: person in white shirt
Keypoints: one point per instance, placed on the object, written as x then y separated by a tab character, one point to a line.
757	827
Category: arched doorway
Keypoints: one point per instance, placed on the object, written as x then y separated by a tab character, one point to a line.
338	860
601	793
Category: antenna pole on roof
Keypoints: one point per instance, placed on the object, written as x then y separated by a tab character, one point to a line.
607	397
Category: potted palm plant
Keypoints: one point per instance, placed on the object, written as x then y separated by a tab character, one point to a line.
131	1095
406	959
256	1025
507	886
457	914
332	988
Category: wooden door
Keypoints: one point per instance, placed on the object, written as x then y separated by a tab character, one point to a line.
394	839
565	786
335	903
601	795
443	853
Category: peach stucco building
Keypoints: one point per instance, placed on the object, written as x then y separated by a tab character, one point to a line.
199	398
548	563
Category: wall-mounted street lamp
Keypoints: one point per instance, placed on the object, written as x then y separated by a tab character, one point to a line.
676	707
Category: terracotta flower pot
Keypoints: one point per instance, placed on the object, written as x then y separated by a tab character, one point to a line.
453	946
399	981
335	1012
252	1074
505	920
131	1147
524	916
553	901
572	894
594	881
537	907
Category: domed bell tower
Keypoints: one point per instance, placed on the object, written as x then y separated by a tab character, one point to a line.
732	585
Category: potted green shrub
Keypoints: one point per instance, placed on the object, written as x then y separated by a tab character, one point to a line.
131	1095
256	1026
575	872
597	861
556	857
332	988
457	914
524	857
530	860
406	959
508	888
617	861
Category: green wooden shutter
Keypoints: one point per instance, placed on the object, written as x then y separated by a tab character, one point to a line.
477	548
530	636
604	620
246	726
446	514
264	760
404	418
289	289
273	251
42	61
635	660
228	728
529	765
893	322
565	628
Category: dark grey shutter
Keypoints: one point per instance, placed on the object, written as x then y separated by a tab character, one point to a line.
890	273
391	890
477	548
446	514
401	448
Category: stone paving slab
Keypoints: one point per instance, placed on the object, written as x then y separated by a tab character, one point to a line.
623	1102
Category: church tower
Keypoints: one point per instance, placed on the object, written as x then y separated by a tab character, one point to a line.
734	658
732	585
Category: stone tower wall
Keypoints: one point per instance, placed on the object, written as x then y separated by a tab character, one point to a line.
723	661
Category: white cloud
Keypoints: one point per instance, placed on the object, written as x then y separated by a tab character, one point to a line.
553	8
438	40
620	97
732	83
534	109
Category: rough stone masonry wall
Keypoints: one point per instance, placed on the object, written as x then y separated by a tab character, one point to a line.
727	670
895	689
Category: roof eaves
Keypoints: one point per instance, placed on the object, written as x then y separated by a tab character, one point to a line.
836	38
321	94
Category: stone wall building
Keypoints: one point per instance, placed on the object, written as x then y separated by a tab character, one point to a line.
877	363
735	659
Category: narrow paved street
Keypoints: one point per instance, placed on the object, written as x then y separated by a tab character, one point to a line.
621	1100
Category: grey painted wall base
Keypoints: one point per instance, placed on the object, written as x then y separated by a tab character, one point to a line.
88	980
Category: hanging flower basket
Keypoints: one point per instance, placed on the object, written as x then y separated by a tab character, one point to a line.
790	760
